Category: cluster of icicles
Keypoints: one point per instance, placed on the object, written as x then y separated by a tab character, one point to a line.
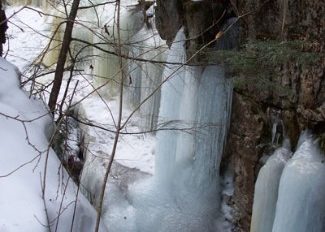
290	191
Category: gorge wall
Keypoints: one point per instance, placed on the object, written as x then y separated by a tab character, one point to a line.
278	72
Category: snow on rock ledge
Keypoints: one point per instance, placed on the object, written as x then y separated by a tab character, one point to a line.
24	124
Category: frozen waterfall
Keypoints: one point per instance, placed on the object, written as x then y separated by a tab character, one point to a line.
301	202
292	200
183	195
144	77
266	190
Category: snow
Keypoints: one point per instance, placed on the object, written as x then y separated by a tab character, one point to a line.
25	126
26	212
135	150
27	36
22	207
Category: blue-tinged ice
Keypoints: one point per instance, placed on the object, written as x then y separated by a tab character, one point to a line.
183	195
266	190
301	202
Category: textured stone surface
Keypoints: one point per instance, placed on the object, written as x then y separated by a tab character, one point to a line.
287	19
168	18
201	20
247	124
295	90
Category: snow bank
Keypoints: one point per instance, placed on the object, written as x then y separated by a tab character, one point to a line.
24	130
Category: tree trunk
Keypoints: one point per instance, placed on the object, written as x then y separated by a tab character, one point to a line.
63	56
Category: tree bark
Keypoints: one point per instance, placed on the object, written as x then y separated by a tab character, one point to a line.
63	56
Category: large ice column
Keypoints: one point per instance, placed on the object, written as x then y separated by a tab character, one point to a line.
183	195
266	191
95	31
84	30
169	110
50	58
212	119
301	202
107	64
144	77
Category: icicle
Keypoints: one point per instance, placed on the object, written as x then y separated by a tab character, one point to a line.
106	67
266	191
301	202
274	132
144	77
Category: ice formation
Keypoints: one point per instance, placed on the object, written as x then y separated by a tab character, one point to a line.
301	202
291	198
145	77
183	193
266	191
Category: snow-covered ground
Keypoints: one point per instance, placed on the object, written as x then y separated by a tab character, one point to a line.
29	165
27	32
21	203
135	149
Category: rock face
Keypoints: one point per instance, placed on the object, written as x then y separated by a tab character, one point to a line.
295	92
292	91
246	128
287	19
299	106
168	19
201	20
